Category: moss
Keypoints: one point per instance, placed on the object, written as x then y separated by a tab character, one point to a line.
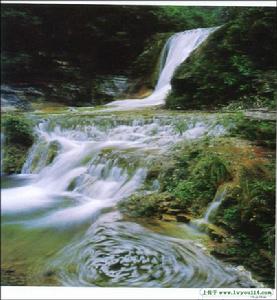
18	130
18	139
262	132
248	214
52	152
146	67
194	177
14	158
147	205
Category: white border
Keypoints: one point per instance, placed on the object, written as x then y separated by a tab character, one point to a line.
70	293
170	3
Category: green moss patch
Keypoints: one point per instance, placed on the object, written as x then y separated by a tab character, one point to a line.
18	139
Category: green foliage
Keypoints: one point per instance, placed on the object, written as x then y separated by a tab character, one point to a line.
248	213
236	63
144	205
200	187
177	17
262	132
94	38
14	158
18	130
146	67
18	139
231	215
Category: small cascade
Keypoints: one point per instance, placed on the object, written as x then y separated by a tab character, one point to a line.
92	163
2	150
176	50
213	206
210	211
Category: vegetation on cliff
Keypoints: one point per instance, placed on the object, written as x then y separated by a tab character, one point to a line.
62	49
236	64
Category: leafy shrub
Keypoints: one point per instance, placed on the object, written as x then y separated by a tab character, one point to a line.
18	130
18	139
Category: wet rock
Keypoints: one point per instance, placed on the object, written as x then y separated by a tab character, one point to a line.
260	114
71	93
169	218
14	99
10	277
107	88
185	218
216	233
220	253
174	211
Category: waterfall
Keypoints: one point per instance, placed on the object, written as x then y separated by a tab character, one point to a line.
202	223
2	151
176	50
219	197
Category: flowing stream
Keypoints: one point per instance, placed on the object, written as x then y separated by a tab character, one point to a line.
60	223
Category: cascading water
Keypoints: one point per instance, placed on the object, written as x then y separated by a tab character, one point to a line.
2	151
214	205
97	162
176	50
206	220
60	225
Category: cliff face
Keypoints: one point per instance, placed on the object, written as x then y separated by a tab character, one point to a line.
65	52
73	54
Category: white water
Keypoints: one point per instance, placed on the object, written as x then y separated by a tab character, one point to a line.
97	163
201	223
2	151
219	197
177	49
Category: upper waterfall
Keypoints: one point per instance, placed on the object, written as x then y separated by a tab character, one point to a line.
176	50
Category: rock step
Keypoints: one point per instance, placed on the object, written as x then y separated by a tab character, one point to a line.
180	217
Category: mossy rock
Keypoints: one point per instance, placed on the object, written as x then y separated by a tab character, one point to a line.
146	205
18	138
14	158
147	66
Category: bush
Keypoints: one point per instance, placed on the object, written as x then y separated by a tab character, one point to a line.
18	130
196	178
18	139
